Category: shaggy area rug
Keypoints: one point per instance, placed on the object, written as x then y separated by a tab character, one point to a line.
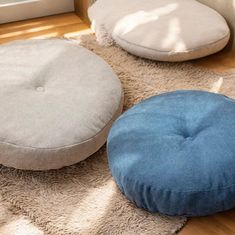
83	199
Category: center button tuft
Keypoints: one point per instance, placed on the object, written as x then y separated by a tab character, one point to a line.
40	89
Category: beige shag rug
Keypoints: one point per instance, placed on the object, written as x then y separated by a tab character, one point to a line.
83	199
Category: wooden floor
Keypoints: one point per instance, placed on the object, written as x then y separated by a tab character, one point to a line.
65	25
69	25
221	61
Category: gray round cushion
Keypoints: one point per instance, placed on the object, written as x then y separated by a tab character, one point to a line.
165	30
57	103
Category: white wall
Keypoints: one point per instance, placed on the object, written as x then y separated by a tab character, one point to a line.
34	8
227	9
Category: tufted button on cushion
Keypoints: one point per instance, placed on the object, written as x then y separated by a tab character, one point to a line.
57	103
175	153
165	30
40	89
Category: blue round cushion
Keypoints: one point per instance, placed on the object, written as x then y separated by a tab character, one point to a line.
175	153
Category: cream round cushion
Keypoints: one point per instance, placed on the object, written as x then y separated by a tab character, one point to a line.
164	30
57	103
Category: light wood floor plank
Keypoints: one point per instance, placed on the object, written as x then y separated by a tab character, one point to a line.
65	25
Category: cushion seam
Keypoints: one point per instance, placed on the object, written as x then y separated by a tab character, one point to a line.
72	145
189	191
174	53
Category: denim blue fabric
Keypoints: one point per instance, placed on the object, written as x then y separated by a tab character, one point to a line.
175	153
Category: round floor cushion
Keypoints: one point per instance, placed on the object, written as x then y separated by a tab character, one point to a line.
57	103
175	153
165	30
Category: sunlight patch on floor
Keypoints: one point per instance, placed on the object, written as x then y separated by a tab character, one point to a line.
217	85
96	204
65	25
